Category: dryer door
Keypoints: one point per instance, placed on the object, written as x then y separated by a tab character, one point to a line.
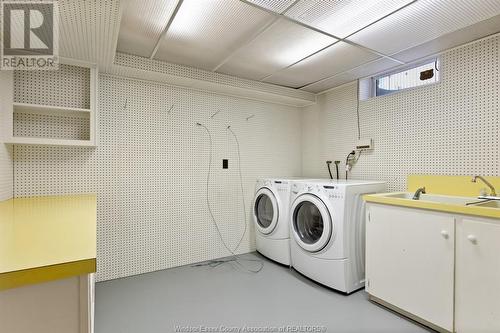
265	210
312	223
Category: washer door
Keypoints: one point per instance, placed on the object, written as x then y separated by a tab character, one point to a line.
265	211
312	223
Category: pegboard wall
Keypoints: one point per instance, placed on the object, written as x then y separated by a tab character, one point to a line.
6	165
150	170
450	128
49	126
6	172
69	87
146	64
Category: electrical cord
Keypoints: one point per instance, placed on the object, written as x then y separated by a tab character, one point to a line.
347	162
359	155
261	263
234	258
357	110
354	158
241	187
329	171
337	168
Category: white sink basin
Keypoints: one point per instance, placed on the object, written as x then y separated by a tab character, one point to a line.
489	204
444	199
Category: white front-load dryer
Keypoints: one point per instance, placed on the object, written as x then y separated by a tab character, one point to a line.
327	223
271	218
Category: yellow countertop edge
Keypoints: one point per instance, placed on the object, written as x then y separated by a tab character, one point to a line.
36	275
441	207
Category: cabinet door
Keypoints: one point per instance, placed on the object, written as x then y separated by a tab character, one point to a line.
478	276
410	261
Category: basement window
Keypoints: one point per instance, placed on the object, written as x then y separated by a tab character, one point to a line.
418	75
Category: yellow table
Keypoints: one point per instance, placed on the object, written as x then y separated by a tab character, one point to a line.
46	238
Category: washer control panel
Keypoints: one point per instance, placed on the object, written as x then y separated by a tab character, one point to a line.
333	192
330	191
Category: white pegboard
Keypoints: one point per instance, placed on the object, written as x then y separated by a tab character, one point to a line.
88	30
69	86
49	126
450	128
6	172
6	165
149	171
128	60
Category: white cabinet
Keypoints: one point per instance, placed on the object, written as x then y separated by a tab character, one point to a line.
43	107
477	276
65	305
410	262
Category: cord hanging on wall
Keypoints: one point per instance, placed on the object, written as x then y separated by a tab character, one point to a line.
170	110
250	117
357	109
235	258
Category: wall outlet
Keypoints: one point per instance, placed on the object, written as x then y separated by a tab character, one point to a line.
364	144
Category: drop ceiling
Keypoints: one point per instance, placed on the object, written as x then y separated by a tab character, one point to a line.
312	45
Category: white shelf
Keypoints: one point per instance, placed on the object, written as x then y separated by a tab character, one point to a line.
8	108
51	110
49	142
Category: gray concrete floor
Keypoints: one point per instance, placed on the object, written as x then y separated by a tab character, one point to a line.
227	296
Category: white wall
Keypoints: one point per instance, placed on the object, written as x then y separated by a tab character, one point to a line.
150	167
448	128
6	172
6	166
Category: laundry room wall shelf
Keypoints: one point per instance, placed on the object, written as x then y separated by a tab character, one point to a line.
62	114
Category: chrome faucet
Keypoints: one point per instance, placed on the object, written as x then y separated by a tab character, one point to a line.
493	193
416	196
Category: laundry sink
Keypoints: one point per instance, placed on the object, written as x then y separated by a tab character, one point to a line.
443	199
489	204
439	202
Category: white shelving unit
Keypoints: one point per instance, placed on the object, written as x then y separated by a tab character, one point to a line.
50	110
10	109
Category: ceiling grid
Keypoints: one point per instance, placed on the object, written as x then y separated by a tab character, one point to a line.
137	35
203	32
273	40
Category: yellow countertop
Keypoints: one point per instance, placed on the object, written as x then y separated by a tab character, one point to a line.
382	198
46	238
442	185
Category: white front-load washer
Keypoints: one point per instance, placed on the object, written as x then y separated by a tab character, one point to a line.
271	217
327	222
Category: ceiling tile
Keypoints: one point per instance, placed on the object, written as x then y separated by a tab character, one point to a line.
205	32
343	17
423	21
368	69
450	40
277	6
142	24
281	45
333	60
